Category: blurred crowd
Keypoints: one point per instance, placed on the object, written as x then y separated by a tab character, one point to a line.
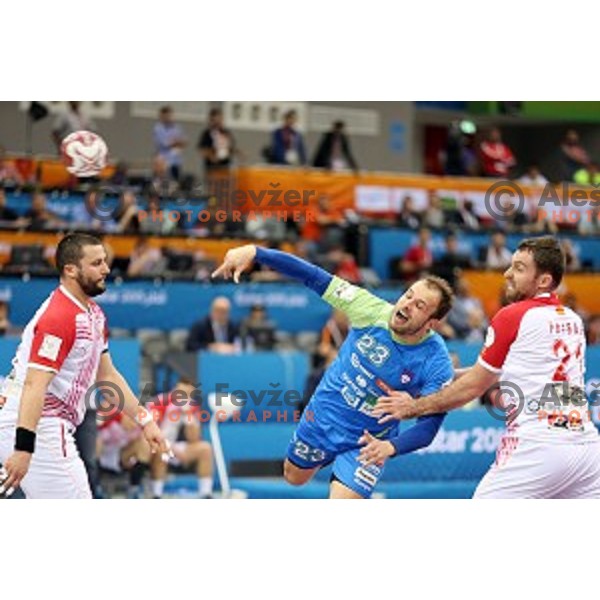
332	237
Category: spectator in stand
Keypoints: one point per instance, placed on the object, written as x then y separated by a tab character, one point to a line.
216	144
39	217
287	145
7	214
145	261
460	157
417	260
533	177
70	121
451	264
587	175
408	215
334	151
83	216
177	412
497	159
515	219
154	220
589	223
325	227
343	265
467	317
216	332
434	216
120	176
126	218
9	174
257	332
120	448
333	334
498	256
169	141
265	228
467	216
571	256
161	182
573	155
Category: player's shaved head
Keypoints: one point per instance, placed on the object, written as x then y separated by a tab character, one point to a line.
70	250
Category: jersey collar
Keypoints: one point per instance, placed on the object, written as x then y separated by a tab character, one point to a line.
72	298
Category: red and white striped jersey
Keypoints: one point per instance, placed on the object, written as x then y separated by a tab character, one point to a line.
68	339
537	346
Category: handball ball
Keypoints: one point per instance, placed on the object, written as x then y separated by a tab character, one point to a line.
85	153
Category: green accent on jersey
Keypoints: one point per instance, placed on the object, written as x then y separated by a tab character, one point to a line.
363	308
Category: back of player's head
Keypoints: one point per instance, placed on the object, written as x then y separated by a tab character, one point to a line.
446	295
70	249
548	256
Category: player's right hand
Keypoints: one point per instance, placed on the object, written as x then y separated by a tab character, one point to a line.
397	406
15	469
157	441
236	261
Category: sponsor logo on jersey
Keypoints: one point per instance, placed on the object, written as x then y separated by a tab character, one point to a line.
361	381
50	347
355	362
345	292
367	475
406	377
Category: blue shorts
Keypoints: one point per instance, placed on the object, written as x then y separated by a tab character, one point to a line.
314	445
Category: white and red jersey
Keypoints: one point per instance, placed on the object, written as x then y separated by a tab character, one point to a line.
66	338
538	345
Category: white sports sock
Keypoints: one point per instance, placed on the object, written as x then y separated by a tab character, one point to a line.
157	486
205	486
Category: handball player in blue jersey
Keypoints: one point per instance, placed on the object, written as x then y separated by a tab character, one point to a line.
390	347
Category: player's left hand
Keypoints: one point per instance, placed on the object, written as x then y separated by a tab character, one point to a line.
396	407
374	451
156	440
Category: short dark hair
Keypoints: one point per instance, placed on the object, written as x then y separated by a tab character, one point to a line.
548	256
70	249
446	295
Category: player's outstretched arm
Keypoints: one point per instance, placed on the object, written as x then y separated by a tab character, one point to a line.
420	435
471	385
30	411
125	400
239	259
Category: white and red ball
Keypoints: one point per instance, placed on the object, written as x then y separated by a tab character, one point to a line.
85	153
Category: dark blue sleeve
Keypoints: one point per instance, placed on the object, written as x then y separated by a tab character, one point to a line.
419	435
287	264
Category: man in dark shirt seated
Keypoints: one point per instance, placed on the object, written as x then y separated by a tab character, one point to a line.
257	331
452	262
216	332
